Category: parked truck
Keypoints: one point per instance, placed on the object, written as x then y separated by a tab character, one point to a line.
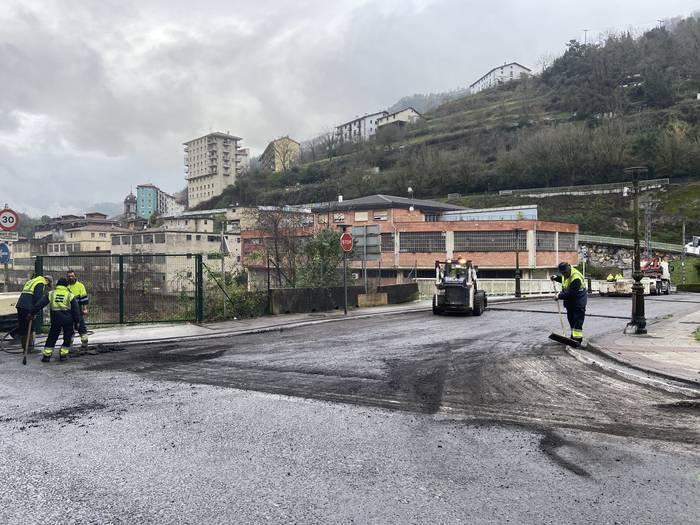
656	280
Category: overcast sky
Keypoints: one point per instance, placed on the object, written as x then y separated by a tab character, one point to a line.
97	96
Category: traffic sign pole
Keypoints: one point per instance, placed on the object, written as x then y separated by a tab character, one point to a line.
346	243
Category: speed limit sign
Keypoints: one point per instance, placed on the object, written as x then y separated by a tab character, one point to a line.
9	219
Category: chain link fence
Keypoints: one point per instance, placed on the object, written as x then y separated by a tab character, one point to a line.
126	289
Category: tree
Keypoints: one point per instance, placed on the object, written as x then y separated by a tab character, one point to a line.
323	257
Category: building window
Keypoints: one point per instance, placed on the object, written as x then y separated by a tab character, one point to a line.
338	217
148	238
116	240
545	241
188	237
431	217
198	237
567	242
92	235
489	241
159	238
387	242
361	216
422	242
126	239
136	239
380	215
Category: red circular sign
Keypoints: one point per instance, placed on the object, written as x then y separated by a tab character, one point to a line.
346	242
9	219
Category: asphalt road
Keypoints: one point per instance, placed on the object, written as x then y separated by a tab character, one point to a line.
395	419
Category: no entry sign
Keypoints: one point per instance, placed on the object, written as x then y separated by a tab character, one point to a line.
9	220
346	242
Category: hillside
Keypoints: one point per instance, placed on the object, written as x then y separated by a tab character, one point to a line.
593	111
612	214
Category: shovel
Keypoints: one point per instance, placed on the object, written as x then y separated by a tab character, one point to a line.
26	341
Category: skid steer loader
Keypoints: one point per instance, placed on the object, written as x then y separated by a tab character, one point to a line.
457	288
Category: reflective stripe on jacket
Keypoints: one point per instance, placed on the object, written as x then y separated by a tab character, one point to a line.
60	299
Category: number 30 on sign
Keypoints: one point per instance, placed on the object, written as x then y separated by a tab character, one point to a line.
9	219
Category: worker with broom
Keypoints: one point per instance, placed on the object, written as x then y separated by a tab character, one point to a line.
573	293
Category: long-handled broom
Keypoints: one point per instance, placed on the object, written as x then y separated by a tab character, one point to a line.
26	341
562	338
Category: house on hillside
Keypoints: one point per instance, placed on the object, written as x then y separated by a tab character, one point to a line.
399	118
500	75
280	155
359	129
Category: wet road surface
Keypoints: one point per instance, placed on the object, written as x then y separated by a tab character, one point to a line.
406	418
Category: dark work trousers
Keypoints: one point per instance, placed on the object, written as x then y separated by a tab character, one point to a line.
55	331
22	322
576	314
82	328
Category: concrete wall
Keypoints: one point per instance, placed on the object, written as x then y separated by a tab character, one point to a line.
400	293
300	300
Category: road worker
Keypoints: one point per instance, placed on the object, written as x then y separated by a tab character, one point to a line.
610	278
78	290
573	294
32	293
65	315
618	276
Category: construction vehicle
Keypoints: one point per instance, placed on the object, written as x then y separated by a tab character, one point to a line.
457	290
693	247
656	270
656	280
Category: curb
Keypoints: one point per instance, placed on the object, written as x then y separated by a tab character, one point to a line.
597	349
654	378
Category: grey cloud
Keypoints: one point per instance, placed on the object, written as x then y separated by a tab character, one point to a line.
119	85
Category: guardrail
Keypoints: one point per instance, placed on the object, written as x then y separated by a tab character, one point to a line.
493	287
610	187
620	241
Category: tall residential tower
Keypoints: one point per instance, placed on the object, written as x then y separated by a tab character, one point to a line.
212	163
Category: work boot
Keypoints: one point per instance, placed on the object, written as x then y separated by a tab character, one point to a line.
63	358
46	359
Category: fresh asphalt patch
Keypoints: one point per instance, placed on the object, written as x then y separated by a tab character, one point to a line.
497	368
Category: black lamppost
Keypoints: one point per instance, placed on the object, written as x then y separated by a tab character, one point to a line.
638	319
517	262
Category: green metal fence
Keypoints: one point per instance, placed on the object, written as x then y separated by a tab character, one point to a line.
134	288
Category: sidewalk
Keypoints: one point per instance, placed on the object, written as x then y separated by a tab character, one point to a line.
669	349
132	334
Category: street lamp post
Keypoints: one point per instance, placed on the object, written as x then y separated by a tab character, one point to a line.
517	262
638	319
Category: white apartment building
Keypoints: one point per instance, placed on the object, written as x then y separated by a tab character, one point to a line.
399	118
168	205
499	75
212	163
362	128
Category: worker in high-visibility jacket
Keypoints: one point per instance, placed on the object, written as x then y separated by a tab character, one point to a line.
32	293
573	293
78	290
65	315
610	277
618	276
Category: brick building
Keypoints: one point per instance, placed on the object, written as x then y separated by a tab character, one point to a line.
416	233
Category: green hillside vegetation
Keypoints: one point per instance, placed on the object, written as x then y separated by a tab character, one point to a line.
593	111
611	214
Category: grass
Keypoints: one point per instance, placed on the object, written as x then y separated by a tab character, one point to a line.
697	334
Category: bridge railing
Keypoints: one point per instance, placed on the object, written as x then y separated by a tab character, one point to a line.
609	187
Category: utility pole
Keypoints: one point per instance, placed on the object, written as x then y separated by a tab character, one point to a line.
585	37
647	230
683	255
638	319
517	262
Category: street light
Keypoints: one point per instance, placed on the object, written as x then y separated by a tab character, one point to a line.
638	319
410	192
517	262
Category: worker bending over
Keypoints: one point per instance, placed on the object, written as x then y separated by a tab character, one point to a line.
573	293
65	314
33	292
